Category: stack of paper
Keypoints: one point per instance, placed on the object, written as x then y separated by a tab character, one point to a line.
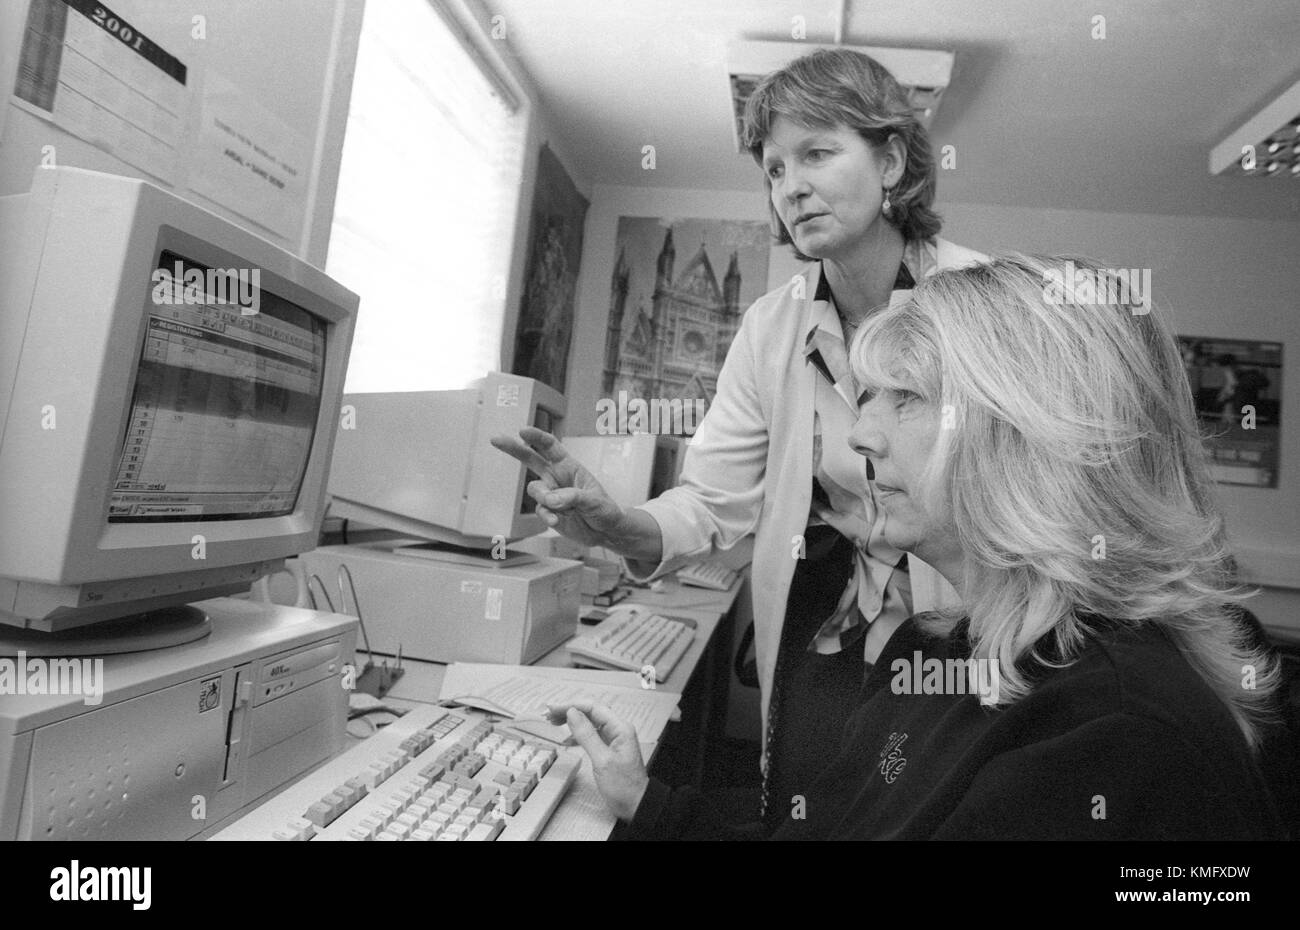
526	692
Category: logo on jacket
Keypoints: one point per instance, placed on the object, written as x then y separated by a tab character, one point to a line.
892	762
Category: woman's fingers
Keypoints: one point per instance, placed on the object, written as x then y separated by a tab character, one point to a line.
587	736
539	488
518	449
544	444
609	726
560	499
557	713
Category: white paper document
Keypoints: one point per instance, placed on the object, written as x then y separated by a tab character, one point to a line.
527	692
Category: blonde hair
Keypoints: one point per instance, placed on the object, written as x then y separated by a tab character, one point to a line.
1070	453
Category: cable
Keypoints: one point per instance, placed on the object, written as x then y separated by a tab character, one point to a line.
343	601
325	594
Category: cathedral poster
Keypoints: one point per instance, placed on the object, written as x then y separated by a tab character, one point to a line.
551	278
677	295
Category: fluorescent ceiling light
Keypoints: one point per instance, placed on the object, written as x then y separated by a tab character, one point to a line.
1265	144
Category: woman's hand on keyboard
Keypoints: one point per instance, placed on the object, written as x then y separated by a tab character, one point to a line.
615	754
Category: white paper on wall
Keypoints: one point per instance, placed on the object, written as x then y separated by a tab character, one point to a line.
249	160
96	76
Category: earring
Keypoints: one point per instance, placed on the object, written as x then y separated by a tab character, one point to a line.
886	206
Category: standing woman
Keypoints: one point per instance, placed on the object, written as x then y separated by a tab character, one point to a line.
851	178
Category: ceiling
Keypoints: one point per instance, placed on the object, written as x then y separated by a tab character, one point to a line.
1041	114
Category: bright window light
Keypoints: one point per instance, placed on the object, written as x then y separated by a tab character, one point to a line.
424	214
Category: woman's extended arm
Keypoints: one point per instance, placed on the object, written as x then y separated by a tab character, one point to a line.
717	503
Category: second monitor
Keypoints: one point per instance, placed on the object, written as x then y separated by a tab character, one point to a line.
631	468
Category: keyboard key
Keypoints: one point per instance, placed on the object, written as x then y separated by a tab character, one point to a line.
489	830
321	814
372	825
301	828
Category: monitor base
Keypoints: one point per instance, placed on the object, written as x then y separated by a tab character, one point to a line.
156	629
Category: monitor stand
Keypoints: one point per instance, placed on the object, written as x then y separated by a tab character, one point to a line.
463	555
156	629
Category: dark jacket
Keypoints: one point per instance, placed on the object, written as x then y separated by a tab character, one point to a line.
1127	742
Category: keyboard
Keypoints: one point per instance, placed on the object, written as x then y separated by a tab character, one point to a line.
634	637
707	575
434	774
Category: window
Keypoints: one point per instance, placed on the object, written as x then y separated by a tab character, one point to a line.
424	214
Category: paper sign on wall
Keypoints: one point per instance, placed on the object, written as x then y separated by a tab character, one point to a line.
95	75
249	160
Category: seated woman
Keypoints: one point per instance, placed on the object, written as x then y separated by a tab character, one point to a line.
1044	456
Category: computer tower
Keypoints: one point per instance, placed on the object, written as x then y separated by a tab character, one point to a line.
454	612
184	739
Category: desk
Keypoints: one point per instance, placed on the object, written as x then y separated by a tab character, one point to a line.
700	676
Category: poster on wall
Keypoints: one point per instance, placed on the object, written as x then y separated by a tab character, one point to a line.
97	76
673	315
1237	387
551	277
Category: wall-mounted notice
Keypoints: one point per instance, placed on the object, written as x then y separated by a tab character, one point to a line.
249	160
95	75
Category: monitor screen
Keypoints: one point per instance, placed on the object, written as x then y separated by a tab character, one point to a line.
225	403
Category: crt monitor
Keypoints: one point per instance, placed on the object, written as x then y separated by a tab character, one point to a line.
632	468
420	463
169	393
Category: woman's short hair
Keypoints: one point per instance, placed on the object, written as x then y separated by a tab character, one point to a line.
1069	450
841	87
